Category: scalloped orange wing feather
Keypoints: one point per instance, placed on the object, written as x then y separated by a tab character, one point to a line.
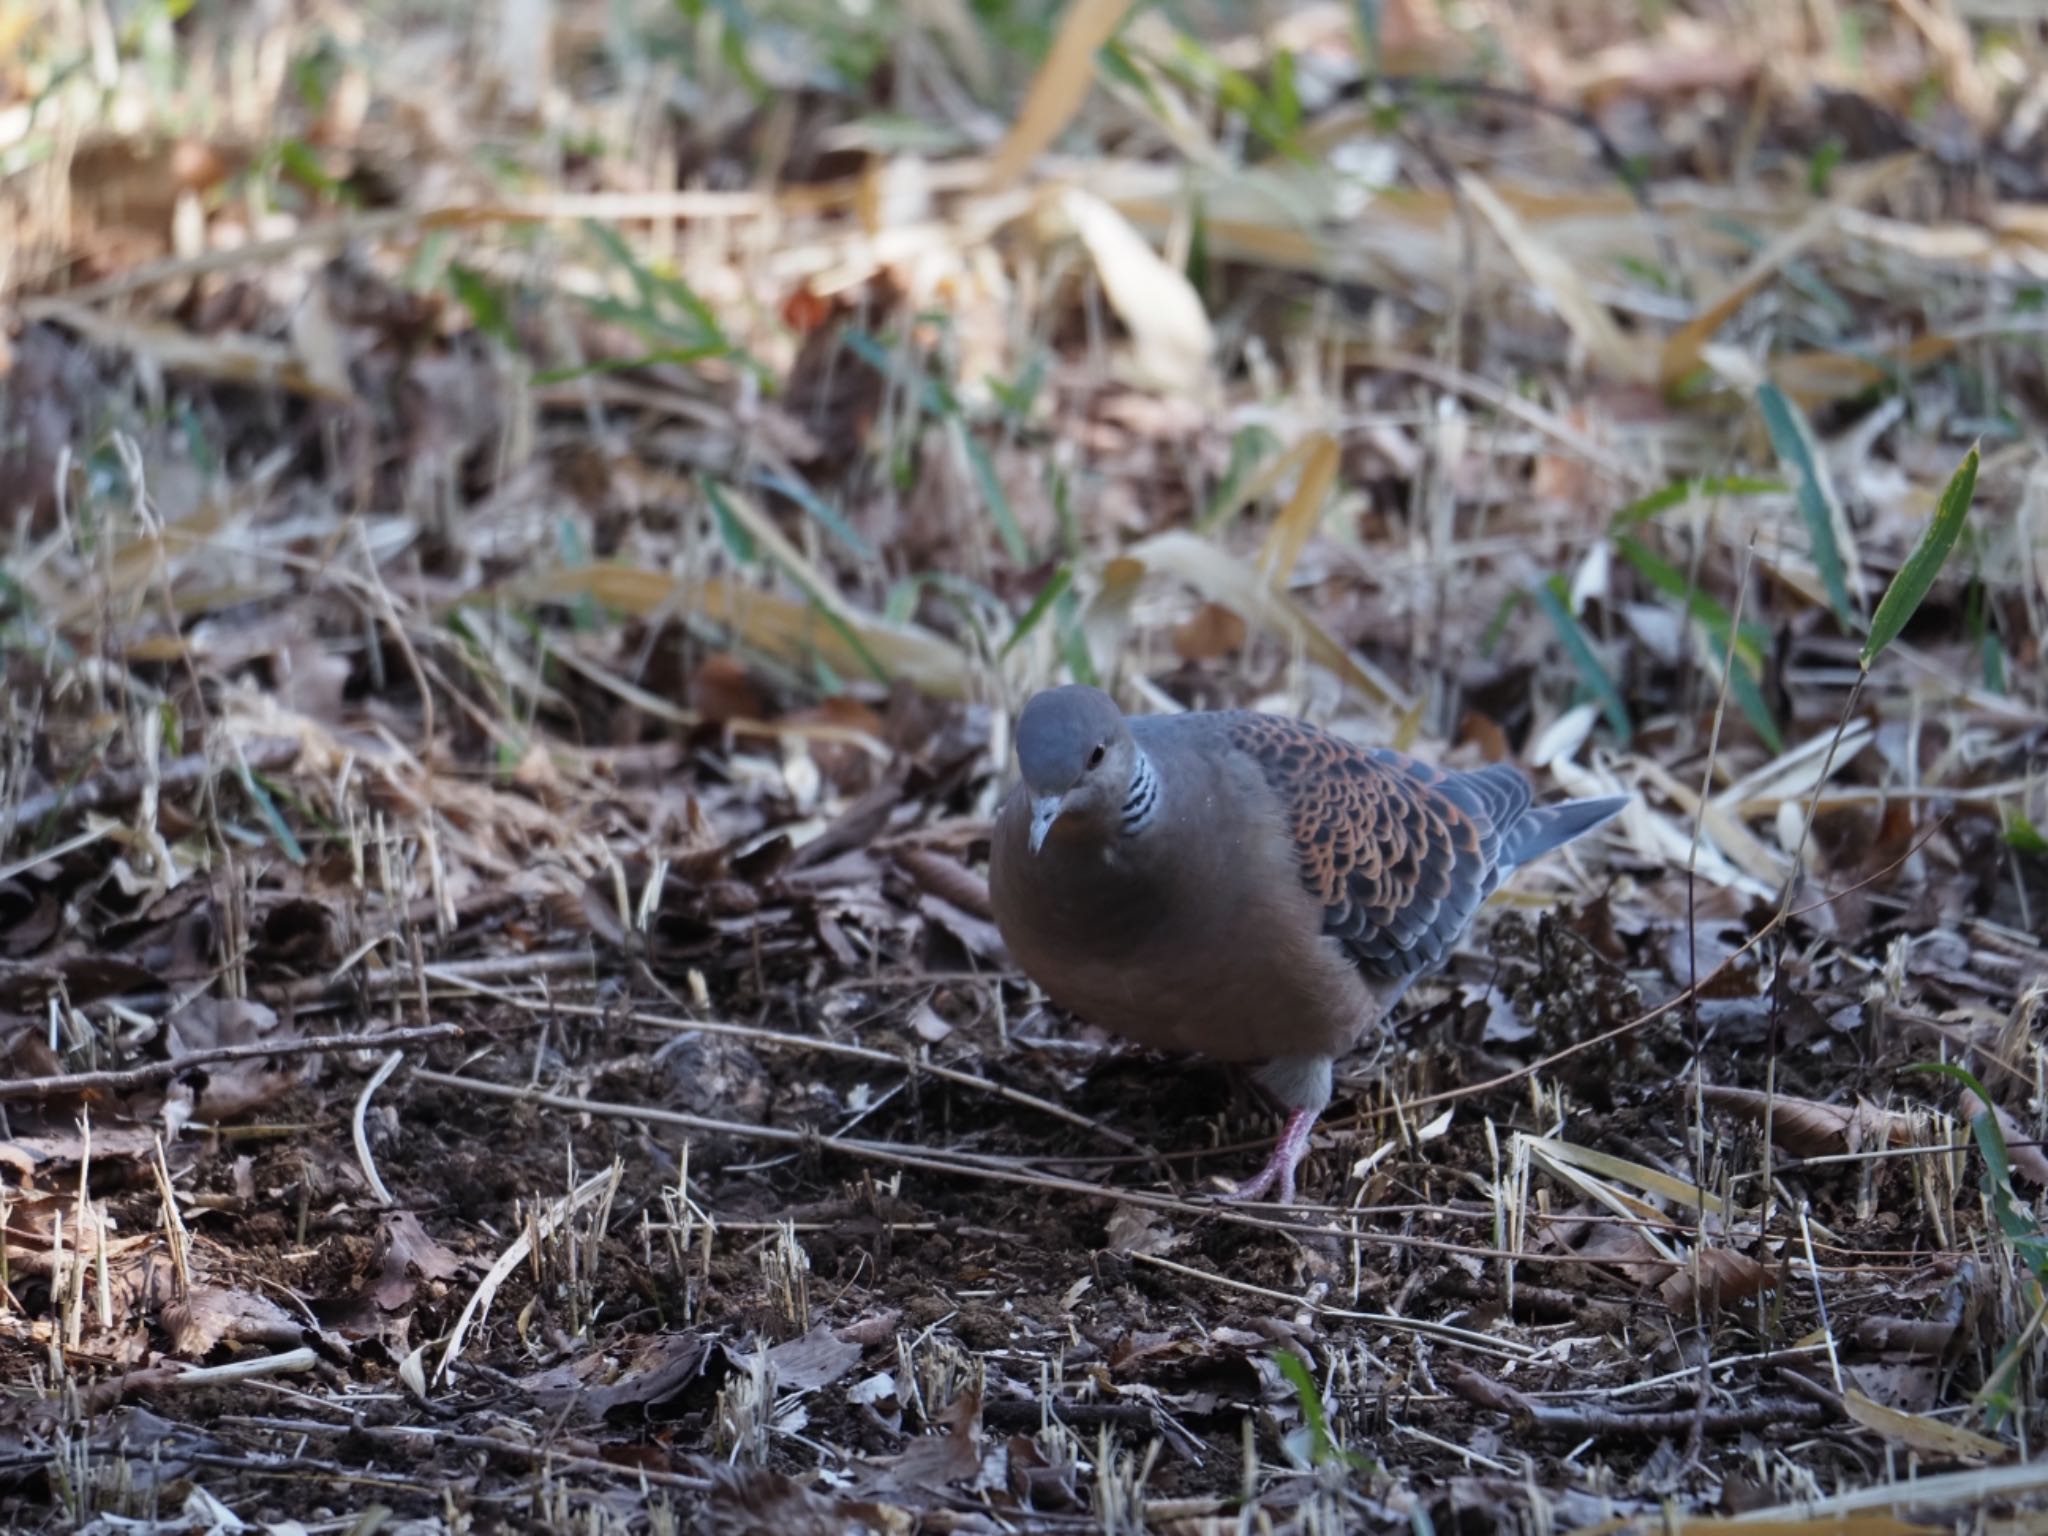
1400	854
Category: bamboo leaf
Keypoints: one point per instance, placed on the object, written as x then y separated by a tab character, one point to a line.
1297	520
983	470
1580	649
1671	581
1678	493
1794	442
1917	575
1041	605
1062	84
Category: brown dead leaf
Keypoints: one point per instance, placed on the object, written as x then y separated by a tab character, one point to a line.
211	1315
757	1501
1919	1433
933	1464
2029	1160
1484	732
254	361
635	1374
947	879
299	933
35	1225
721	690
1171	338
1213	632
1136	1348
122	1150
806	1364
222	1090
1041	1483
978	936
1138	1229
1623	1248
28	986
129	186
410	1259
1718	1276
1807	1128
840	755
1060	87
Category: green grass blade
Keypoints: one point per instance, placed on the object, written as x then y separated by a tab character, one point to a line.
1679	492
984	471
1323	1446
739	543
1580	649
823	512
258	790
2023	835
1749	698
854	643
1917	575
1794	443
1671	581
1041	605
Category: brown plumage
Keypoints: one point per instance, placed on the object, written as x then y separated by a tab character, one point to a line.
1245	885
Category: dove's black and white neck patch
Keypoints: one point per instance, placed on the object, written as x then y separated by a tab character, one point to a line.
1141	805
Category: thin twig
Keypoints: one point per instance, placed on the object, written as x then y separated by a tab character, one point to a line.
1580	1421
1484	1343
429	1437
121	1079
960	1164
789	1041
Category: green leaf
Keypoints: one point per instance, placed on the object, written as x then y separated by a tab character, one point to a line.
1498	624
1794	443
854	643
1041	605
1580	649
484	300
739	543
1679	492
2015	1220
1718	622
932	398
266	807
1018	398
1671	581
992	493
1821	169
1285	94
1749	698
2022	835
1323	1447
1917	575
1074	641
824	512
1369	34
301	164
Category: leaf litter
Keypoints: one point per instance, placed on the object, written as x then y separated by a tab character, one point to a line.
507	658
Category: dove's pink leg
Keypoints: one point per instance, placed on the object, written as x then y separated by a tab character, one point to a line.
1288	1152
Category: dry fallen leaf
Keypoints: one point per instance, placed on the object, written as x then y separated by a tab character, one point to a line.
1920	1433
209	1315
1716	1277
1170	333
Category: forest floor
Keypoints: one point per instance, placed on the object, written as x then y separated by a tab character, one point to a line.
526	533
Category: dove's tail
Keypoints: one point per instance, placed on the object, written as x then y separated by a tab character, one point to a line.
1544	827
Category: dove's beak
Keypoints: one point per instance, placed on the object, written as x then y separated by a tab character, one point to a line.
1045	810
